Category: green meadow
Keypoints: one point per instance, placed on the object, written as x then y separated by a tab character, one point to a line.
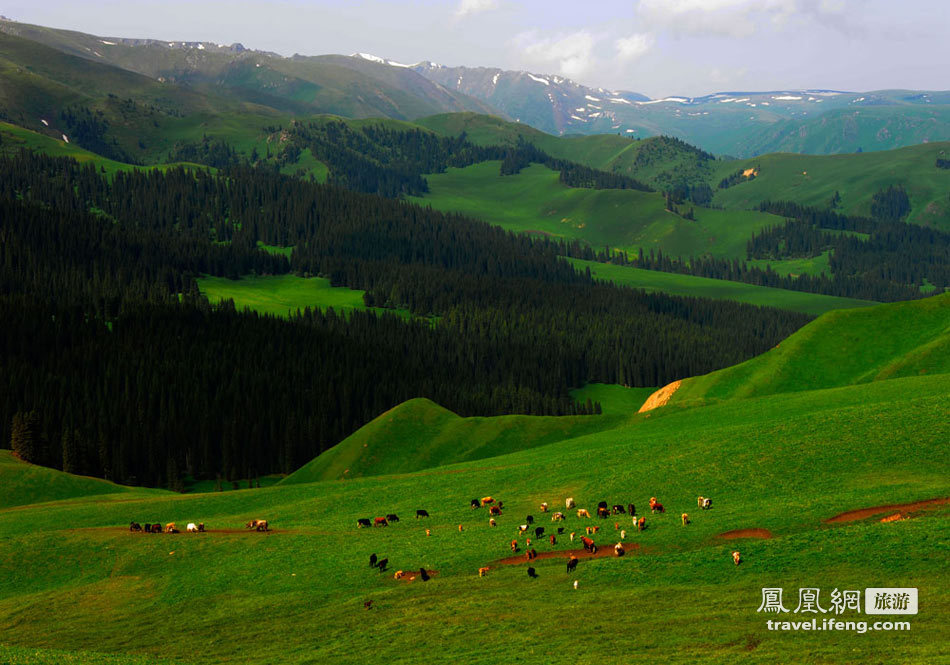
782	459
280	295
688	285
534	201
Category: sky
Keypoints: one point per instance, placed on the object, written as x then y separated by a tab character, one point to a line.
655	47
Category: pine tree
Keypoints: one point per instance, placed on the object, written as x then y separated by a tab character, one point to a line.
25	436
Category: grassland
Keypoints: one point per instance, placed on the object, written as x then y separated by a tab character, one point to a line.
535	201
614	399
687	285
783	462
280	295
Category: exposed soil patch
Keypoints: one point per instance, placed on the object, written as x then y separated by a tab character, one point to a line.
660	397
413	575
864	513
745	533
602	551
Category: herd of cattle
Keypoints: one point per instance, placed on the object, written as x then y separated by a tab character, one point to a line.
495	509
171	527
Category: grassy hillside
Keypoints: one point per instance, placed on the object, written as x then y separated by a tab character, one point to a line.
420	434
840	348
687	285
535	201
242	596
22	484
813	180
614	399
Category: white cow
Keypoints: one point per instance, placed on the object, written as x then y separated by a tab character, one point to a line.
192	527
569	503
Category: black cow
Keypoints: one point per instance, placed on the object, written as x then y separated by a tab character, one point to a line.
602	512
602	504
539	532
157	528
392	517
363	521
560	530
632	509
476	504
529	519
382	565
372	560
618	509
531	573
135	526
572	564
423	574
421	513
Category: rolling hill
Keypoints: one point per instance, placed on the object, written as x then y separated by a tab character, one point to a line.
840	348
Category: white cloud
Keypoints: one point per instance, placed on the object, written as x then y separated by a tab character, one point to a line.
467	7
729	18
634	47
571	55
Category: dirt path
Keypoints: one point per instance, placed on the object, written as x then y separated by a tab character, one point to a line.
602	551
745	533
864	513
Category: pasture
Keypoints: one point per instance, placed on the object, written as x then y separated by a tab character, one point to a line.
688	285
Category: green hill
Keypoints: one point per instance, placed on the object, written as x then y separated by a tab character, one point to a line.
420	434
22	484
840	348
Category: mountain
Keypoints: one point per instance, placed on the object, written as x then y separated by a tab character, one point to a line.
352	87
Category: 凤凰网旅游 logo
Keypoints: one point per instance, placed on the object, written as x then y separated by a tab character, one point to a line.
895	600
899	600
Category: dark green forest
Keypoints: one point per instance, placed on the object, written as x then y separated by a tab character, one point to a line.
115	365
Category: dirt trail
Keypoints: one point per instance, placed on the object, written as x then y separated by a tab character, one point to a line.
745	533
660	397
602	551
864	513
413	575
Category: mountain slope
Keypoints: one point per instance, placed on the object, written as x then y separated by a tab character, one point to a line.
420	434
840	348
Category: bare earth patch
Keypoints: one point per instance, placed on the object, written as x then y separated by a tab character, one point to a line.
602	551
745	533
660	397
864	513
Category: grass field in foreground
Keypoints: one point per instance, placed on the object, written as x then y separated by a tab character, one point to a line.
688	285
783	463
281	294
535	201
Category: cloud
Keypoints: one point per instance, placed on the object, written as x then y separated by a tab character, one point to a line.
571	54
467	7
634	47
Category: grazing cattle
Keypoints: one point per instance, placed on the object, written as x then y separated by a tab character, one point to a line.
261	525
539	532
171	528
531	554
527	542
685	518
618	509
560	530
656	506
623	534
557	517
575	585
590	530
380	521
135	526
421	513
372	560
362	521
424	574
476	504
572	564
494	510
483	571
641	524
632	509
619	550
492	522
201	527
572	536
589	545
700	500
582	512
553	540
569	503
544	507
156	528
191	528
382	565
392	517
602	513
514	545
428	532
735	557
500	504
522	528
368	605
595	529
707	503
460	528
399	574
529	519
616	525
487	500
602	504
531	573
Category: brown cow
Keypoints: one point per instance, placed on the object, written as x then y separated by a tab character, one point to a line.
487	500
261	525
483	571
494	510
685	518
492	522
589	545
171	528
514	545
380	521
641	524
619	550
735	557
582	512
